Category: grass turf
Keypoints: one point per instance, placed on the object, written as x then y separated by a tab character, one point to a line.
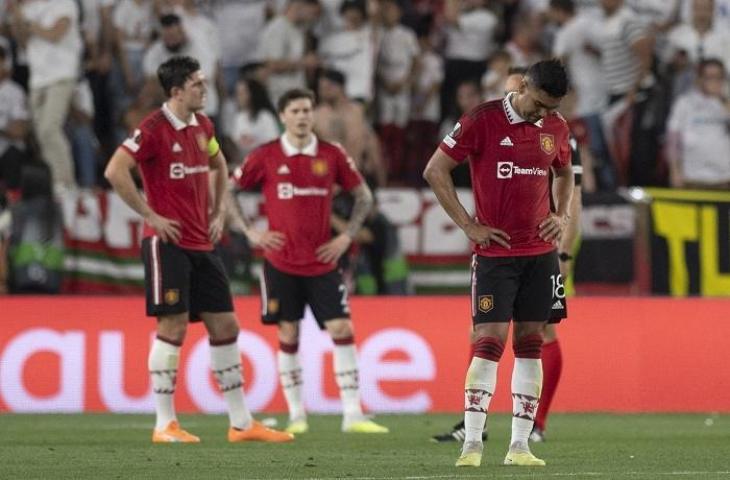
578	446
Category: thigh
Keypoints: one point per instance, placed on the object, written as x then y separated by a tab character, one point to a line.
327	296
283	297
57	102
538	280
166	277
494	285
210	291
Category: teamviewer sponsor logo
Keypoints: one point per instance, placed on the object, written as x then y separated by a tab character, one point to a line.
504	169
287	191
179	170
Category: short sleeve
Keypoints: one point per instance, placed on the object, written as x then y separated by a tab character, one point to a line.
565	153
209	129
575	161
633	30
251	173
348	176
140	145
675	123
463	140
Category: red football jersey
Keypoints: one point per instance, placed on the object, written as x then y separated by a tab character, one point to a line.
298	188
174	158
510	160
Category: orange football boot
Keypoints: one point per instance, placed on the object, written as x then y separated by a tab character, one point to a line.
257	432
173	434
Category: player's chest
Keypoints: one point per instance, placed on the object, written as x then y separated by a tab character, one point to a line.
301	178
183	154
526	147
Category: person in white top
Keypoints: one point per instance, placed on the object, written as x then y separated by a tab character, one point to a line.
134	23
283	47
470	32
175	41
721	12
701	37
14	125
254	122
396	73
698	135
352	51
50	31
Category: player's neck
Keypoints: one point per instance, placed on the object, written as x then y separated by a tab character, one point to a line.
182	113
515	105
299	142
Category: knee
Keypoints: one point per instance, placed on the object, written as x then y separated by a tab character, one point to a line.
172	329
289	333
226	330
340	329
528	345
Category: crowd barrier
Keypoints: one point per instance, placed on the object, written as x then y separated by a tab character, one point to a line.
89	354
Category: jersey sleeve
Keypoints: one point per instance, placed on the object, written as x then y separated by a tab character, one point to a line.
463	140
140	145
575	161
564	153
213	146
251	172
347	175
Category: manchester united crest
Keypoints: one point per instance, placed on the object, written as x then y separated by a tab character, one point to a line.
272	306
319	167
486	303
547	143
202	142
172	296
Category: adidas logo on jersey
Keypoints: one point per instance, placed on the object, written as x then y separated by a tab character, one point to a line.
283	170
558	305
506	142
176	148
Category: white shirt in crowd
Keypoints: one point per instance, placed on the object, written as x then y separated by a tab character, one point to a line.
584	69
714	44
136	20
282	40
239	23
51	62
330	20
91	18
721	17
203	28
432	73
701	122
13	107
157	54
249	132
398	51
472	38
352	52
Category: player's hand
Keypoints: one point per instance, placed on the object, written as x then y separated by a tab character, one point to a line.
331	251
215	229
266	239
168	230
484	235
552	228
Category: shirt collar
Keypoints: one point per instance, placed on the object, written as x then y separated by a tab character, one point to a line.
512	116
178	124
290	150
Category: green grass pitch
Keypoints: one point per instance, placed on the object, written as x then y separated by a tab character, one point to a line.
579	446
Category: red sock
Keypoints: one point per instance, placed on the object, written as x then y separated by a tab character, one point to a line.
552	365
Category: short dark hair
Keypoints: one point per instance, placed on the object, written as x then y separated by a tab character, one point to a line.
358	5
293	94
549	76
170	20
334	76
710	62
517	71
175	72
567	6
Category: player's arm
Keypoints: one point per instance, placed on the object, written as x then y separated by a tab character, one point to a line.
553	227
119	174
331	251
438	175
571	230
219	170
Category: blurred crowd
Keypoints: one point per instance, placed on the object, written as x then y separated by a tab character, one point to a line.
648	104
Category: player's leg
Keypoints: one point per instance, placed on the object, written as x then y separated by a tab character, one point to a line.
211	302
493	289
532	310
167	284
327	296
552	366
282	304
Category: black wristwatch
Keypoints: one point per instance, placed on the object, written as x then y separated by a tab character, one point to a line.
565	257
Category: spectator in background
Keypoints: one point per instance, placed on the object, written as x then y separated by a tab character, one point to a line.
80	128
50	30
495	76
524	45
422	135
283	47
396	70
698	138
470	33
175	41
352	51
254	122
14	123
468	97
341	120
35	244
